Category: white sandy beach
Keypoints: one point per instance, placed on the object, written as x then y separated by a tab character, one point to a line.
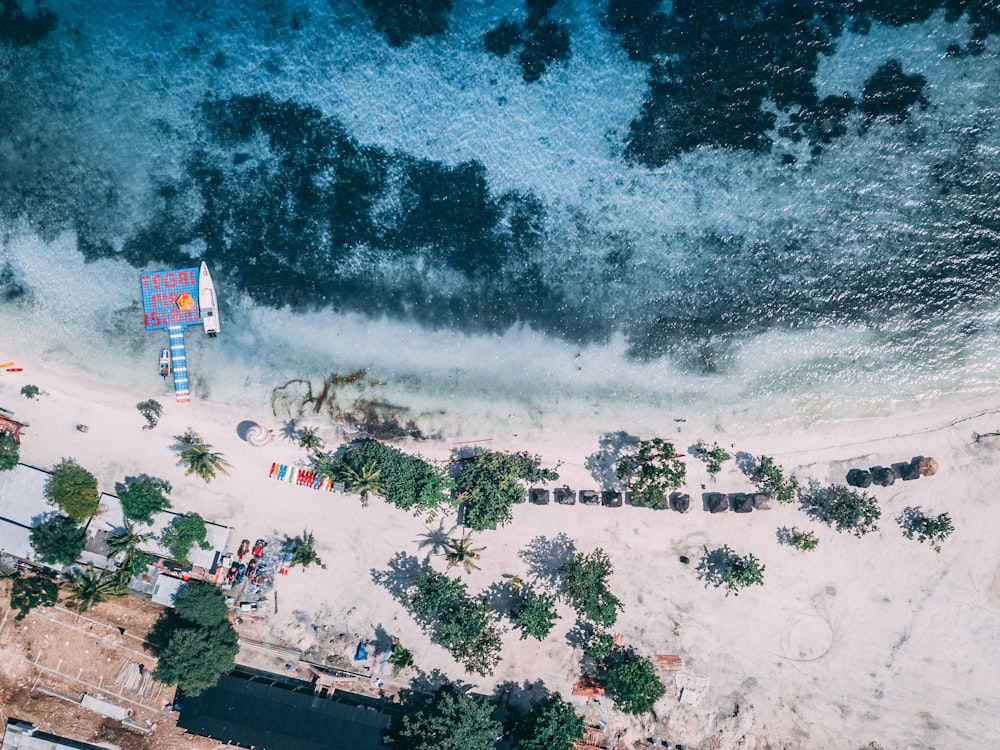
874	639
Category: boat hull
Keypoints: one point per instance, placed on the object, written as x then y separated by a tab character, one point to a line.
207	301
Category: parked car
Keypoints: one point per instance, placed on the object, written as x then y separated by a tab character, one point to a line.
252	568
239	575
233	570
259	547
244	548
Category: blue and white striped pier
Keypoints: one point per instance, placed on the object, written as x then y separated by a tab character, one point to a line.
179	358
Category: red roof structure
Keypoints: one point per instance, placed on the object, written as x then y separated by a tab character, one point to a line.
11	426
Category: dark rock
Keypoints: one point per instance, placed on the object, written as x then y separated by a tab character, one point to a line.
741	502
681	502
589	497
859	478
716	502
539	495
611	499
565	496
762	501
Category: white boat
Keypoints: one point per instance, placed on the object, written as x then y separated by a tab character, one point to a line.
207	301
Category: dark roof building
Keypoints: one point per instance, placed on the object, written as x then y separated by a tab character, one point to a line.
248	711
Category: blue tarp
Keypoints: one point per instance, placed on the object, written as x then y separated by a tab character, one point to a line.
361	654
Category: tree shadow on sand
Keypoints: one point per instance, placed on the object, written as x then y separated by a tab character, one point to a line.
434	539
400	572
712	565
603	463
545	556
911	521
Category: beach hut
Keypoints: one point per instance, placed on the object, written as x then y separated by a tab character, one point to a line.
14	427
741	502
859	478
681	502
716	502
539	495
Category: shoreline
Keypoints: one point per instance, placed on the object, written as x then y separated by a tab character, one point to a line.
899	622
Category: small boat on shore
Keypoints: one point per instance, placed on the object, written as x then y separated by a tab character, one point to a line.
164	362
207	301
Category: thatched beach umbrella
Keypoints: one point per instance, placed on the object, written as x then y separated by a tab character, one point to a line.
927	466
761	501
859	478
883	476
716	502
909	472
741	502
681	502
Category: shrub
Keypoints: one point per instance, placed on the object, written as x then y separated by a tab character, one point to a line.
30	391
652	472
73	489
451	721
803	540
491	483
195	658
584	583
182	534
740	571
401	658
58	540
10	452
633	684
856	512
934	529
550	724
29	592
600	646
715	458
202	604
770	478
535	615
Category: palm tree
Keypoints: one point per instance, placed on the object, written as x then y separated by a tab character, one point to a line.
126	540
304	551
461	551
197	455
309	439
92	588
365	481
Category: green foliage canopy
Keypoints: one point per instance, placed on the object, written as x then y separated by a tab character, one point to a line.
29	592
491	483
849	510
551	724
652	472
143	497
73	489
740	571
934	529
58	540
10	452
584	583
535	614
770	478
195	658
201	603
633	683
182	534
406	481
452	721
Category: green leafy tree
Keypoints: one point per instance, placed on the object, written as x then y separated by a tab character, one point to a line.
584	583
715	458
535	614
550	724
151	411
28	592
934	529
770	478
202	603
600	645
30	391
304	551
198	456
652	472
143	497
90	588
58	540
849	510
492	482
738	572
10	452
461	552
451	721
401	658
633	683
195	658
364	481
462	625
407	482
182	534
73	489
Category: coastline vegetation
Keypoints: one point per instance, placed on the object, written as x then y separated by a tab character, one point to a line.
10	452
198	457
151	411
490	483
770	478
451	719
583	581
550	724
58	540
182	534
715	457
632	681
30	391
535	614
142	497
652	472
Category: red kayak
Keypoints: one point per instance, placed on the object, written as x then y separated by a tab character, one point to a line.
15	369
